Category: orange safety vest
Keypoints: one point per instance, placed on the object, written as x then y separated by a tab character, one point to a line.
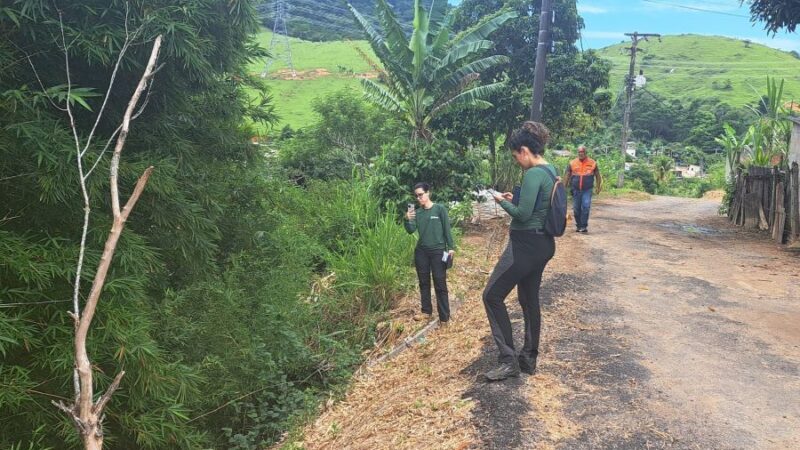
582	170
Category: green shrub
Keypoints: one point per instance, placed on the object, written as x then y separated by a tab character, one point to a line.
375	267
644	176
451	171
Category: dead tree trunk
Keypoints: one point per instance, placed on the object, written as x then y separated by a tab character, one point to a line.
85	412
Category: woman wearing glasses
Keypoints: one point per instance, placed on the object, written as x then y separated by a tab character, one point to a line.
435	239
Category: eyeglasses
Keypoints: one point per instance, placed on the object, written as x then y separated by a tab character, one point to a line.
420	194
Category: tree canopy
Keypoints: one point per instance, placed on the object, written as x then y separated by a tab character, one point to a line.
776	14
432	71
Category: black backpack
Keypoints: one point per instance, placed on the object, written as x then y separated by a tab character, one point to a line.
556	221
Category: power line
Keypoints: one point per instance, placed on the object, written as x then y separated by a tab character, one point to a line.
629	83
654	61
696	9
343	14
278	26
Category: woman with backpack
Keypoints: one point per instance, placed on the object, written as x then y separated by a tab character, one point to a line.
529	249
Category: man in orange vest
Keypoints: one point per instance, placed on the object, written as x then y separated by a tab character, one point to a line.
581	174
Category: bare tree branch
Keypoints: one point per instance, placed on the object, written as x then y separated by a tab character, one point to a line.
86	414
101	404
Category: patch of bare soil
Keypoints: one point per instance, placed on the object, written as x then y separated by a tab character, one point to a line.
716	194
313	74
663	327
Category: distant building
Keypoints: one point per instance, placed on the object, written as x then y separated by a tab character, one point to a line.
690	171
562	153
630	149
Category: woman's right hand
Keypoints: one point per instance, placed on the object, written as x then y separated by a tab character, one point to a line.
411	214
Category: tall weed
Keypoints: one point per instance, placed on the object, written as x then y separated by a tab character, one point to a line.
375	266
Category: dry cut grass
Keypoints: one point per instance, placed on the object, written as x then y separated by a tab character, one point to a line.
418	399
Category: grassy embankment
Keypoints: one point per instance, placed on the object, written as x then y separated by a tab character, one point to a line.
322	68
684	67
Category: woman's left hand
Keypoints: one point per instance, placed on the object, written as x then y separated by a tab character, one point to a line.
451	252
504	196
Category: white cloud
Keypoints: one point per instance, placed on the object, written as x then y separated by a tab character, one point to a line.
590	9
604	35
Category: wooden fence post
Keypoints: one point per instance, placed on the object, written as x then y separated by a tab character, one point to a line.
794	208
773	205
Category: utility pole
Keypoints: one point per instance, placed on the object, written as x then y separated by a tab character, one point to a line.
626	117
545	19
279	29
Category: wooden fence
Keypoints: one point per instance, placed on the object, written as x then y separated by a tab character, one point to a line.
768	199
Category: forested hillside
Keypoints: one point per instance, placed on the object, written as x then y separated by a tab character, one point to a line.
326	20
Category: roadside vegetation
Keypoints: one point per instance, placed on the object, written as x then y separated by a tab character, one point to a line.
249	282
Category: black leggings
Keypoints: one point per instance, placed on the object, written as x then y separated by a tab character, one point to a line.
521	265
430	262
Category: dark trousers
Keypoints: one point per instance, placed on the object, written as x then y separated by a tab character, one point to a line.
429	262
521	265
581	205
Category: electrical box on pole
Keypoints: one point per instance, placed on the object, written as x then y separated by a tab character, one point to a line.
630	83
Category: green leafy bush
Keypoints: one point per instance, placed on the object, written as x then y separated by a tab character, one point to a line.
451	171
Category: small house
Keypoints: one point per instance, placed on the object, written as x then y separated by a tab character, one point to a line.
630	149
688	171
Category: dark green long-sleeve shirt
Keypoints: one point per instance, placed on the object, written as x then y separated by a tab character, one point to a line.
523	215
434	228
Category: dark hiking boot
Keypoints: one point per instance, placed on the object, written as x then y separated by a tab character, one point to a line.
502	372
583	230
525	365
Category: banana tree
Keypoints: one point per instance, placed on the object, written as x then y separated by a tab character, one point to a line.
663	165
432	70
733	149
768	137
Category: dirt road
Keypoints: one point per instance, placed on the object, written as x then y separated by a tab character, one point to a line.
664	327
693	328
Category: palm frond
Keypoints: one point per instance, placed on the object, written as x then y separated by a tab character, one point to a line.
473	67
379	95
419	39
395	37
436	16
484	28
457	54
473	97
442	34
373	37
397	69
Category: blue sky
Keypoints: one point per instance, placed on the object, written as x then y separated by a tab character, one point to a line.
608	20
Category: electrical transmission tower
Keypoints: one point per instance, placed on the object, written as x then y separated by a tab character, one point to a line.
629	80
279	32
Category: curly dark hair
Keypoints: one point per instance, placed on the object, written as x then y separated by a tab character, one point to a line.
533	135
